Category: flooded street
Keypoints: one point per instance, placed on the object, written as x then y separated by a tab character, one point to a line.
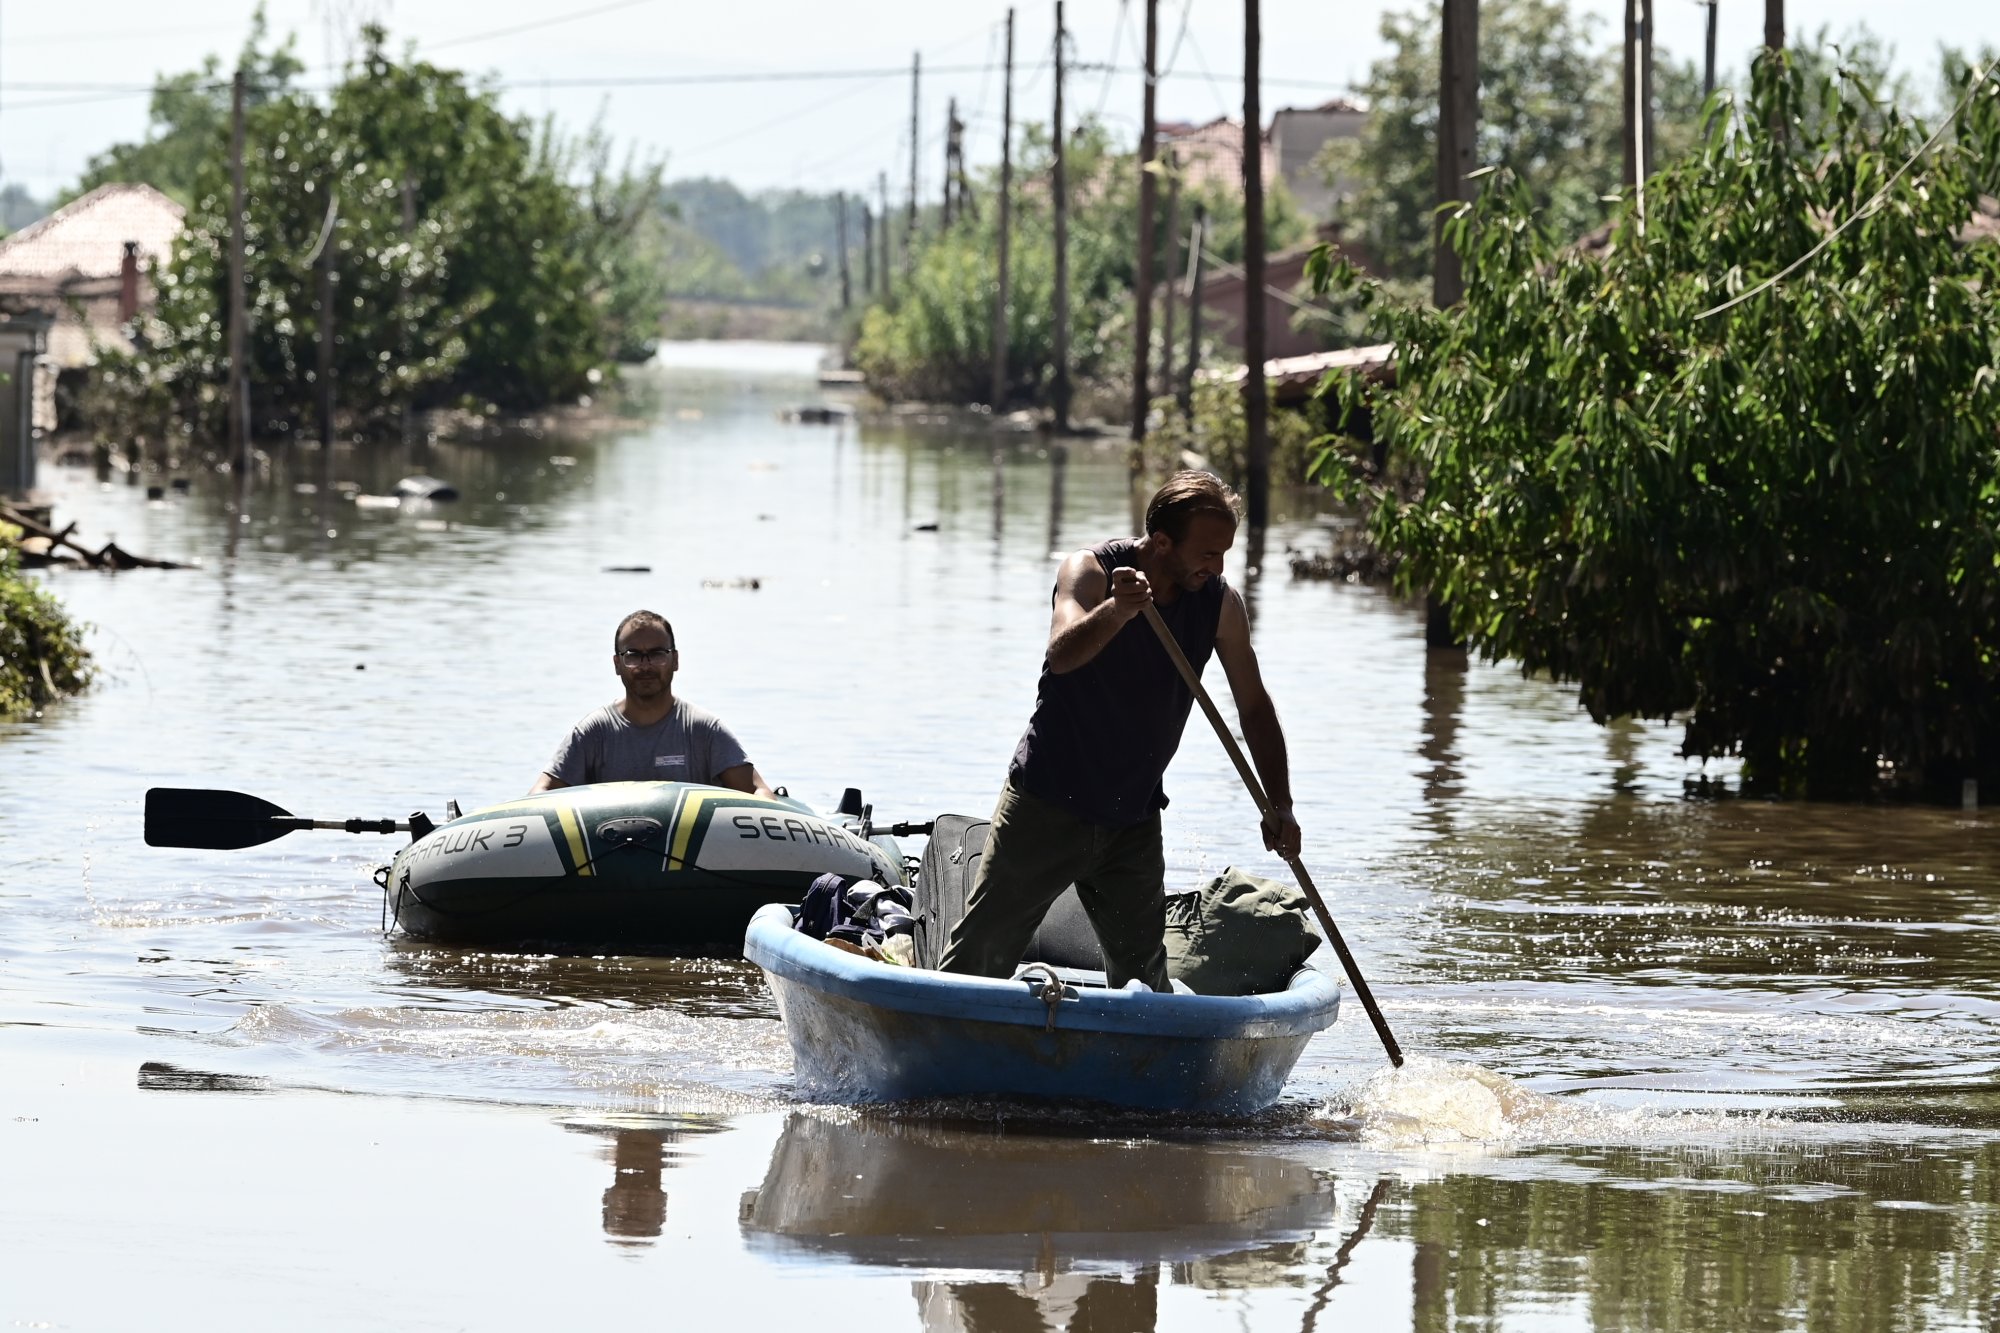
1746	1051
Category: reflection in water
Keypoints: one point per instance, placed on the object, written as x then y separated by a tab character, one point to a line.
1058	471
635	1206
1444	700
1049	1204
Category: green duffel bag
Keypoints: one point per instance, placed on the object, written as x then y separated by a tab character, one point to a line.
1238	935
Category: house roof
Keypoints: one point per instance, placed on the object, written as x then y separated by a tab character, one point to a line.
86	237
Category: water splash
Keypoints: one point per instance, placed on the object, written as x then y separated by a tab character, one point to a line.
1430	1102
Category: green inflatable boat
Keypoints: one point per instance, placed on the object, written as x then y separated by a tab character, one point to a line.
625	867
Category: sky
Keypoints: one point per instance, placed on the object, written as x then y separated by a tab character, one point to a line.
73	79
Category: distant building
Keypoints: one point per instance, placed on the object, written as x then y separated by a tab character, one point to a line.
1211	154
1296	136
85	265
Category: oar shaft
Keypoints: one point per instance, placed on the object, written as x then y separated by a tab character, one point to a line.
1249	776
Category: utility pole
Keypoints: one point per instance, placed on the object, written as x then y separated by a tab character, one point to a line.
323	371
1458	131
239	379
867	253
1169	272
950	156
1708	62
1255	406
1000	294
1142	297
882	193
1774	24
1059	386
910	225
846	292
1197	239
1636	143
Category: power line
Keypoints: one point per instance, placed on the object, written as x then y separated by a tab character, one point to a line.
539	23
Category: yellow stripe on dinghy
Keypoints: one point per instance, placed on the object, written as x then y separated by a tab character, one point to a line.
573	828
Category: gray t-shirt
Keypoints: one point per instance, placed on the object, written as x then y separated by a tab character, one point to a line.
689	744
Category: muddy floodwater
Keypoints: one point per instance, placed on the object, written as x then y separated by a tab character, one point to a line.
1680	1060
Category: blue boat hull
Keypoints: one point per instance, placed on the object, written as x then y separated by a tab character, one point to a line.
863	1031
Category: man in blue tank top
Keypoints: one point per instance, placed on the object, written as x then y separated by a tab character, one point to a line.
1083	797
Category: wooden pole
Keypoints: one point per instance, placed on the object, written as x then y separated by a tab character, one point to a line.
1142	295
1264	811
1000	294
1458	131
867	252
1256	427
882	191
1708	60
846	291
239	378
910	222
323	371
1059	386
1774	24
950	157
1636	142
1197	238
1170	274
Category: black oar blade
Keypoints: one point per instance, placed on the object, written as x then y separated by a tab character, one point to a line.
192	817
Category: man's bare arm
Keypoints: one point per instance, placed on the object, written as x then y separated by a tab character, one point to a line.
1262	733
744	777
1090	609
543	782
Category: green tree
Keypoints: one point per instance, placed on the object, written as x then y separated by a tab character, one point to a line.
478	259
1550	112
1779	523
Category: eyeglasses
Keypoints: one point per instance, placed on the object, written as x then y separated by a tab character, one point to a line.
646	657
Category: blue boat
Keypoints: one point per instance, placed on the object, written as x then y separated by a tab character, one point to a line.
866	1031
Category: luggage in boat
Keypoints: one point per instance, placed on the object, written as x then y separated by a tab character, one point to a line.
944	885
1238	934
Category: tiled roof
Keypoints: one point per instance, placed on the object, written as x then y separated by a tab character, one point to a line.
86	237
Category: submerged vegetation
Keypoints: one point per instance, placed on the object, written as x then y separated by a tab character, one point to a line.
42	657
1770	514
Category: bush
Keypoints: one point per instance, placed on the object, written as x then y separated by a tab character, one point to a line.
42	657
1779	524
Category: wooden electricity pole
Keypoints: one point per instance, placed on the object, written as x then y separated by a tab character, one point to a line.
910	224
1059	386
882	194
1774	24
1142	296
1636	140
950	157
1256	427
239	378
1708	60
323	270
1170	273
867	252
846	292
1000	294
1458	132
1197	239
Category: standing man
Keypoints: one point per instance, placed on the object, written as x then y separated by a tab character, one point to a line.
649	735
1083	797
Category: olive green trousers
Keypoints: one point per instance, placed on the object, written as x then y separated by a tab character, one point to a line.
1034	851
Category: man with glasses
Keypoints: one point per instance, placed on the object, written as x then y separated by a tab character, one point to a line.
649	735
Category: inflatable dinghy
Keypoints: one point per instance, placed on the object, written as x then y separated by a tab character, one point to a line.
624	867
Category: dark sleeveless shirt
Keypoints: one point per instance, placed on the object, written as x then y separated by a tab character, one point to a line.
1102	735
